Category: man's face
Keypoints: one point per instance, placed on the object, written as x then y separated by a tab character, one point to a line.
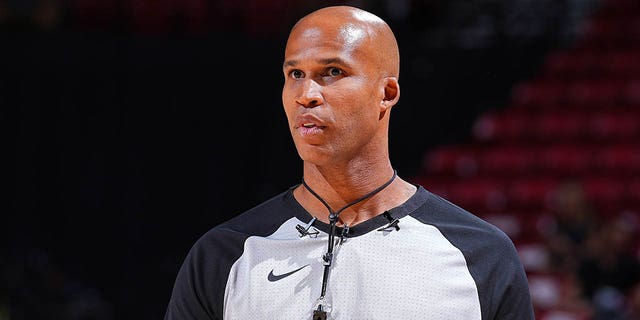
332	92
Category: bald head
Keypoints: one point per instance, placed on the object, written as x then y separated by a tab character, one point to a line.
356	29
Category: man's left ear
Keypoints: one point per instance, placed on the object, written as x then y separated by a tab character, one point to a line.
391	93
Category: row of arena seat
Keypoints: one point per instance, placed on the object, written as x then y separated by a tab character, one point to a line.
560	125
508	160
554	93
576	64
532	194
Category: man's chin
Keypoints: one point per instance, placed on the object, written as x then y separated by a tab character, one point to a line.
317	155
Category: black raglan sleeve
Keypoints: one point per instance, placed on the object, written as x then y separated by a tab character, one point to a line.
192	298
198	291
513	297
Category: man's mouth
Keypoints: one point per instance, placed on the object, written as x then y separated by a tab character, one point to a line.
309	125
309	129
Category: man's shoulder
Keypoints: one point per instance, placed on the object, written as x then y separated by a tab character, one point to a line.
457	222
485	246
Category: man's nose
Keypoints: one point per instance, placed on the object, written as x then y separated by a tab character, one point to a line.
310	95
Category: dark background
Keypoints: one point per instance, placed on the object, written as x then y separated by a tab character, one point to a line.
134	126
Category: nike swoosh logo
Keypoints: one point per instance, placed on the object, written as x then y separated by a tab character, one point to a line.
273	278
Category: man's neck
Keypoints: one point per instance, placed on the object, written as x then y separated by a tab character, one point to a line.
338	186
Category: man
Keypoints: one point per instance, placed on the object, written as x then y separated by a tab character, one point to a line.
353	240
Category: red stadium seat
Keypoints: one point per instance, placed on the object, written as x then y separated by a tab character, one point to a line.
560	125
501	127
615	126
620	160
595	92
532	193
606	193
507	160
569	64
479	195
632	194
565	160
622	63
632	93
539	94
450	160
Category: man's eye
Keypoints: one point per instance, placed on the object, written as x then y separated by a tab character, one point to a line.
334	72
296	74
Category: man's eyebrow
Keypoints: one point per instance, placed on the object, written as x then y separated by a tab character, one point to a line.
293	63
290	63
332	61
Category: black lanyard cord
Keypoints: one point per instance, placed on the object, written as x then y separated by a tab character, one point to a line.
333	219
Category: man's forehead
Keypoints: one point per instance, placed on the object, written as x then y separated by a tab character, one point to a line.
349	35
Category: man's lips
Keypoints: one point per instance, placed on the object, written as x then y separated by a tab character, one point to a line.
308	125
308	121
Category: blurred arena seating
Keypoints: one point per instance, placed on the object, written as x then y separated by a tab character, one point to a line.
576	121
